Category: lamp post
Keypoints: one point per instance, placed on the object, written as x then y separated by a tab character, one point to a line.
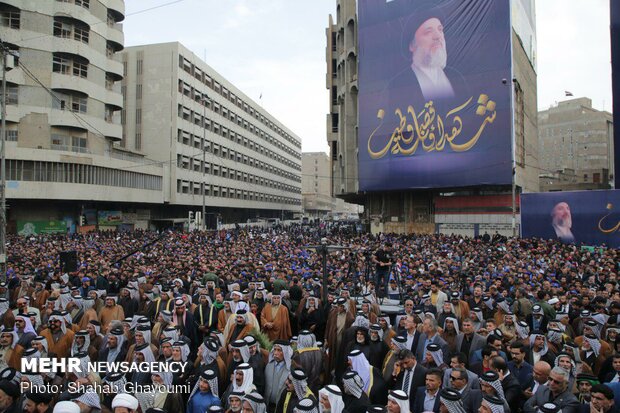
323	249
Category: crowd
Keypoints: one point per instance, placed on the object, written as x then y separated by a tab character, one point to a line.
486	324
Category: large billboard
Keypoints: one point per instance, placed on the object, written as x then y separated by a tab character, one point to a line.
615	76
581	217
434	93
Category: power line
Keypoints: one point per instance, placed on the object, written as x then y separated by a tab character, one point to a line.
105	22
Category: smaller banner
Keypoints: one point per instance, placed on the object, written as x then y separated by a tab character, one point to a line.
581	217
109	218
27	228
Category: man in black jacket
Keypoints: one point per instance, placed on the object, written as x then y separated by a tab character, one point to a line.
510	383
407	365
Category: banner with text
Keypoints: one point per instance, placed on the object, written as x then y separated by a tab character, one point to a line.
434	93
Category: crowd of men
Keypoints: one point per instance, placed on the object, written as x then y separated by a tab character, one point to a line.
485	324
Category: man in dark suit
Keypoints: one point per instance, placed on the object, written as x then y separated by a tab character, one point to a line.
411	332
427	396
556	391
459	381
407	365
457	361
429	330
510	383
468	341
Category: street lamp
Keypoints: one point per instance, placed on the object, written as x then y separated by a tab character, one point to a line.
323	249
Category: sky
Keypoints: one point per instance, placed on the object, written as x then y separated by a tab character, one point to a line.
276	48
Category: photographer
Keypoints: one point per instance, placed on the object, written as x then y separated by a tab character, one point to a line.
383	260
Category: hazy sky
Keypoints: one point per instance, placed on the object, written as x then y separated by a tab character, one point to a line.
277	48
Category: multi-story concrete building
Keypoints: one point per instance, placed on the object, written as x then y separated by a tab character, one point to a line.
576	146
63	114
211	139
468	211
316	184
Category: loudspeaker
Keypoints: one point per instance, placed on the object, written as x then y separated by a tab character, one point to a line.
68	261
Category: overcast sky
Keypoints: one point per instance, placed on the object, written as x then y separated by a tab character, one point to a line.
277	48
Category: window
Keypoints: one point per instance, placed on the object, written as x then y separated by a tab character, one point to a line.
11	95
10	18
83	3
138	141
62	29
60	141
81	34
139	67
110	19
109	82
80	69
79	104
61	65
78	144
11	135
138	116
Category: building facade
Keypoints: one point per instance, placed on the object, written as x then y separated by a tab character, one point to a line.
63	114
212	140
469	211
576	147
316	184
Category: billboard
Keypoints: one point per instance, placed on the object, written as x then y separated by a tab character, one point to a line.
581	217
109	217
434	93
615	78
27	228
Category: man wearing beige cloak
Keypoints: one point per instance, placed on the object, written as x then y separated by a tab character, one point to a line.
275	321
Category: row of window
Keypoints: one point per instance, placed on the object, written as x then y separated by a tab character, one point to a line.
195	141
40	171
201	76
69	143
203	99
69	65
196	165
82	3
195	188
70	29
204	122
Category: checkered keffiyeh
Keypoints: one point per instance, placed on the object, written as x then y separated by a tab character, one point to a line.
595	345
91	399
452	405
353	385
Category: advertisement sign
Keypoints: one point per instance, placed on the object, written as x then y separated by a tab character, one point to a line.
110	217
434	93
27	228
615	78
581	217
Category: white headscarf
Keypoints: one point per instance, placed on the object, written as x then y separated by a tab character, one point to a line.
334	395
28	328
360	364
455	322
287	352
248	378
403	404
